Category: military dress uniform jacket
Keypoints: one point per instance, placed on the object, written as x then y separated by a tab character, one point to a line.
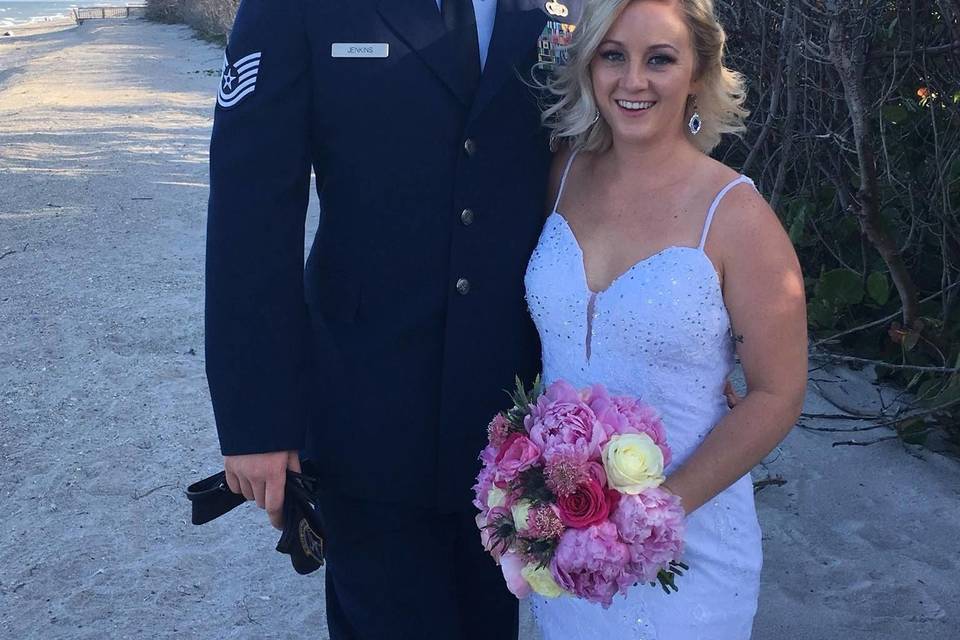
387	355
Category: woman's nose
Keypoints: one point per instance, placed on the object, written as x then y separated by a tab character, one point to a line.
635	77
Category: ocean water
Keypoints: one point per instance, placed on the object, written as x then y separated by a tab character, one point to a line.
14	12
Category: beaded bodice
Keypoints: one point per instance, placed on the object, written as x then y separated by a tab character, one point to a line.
660	331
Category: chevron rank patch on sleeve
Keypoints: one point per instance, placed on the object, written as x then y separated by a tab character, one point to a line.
238	80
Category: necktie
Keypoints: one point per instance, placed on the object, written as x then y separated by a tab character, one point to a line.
461	24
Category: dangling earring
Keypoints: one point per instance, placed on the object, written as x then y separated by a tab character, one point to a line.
596	118
696	122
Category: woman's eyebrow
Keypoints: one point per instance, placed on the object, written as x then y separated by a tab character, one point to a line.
664	45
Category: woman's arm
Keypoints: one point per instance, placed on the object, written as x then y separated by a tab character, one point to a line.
763	292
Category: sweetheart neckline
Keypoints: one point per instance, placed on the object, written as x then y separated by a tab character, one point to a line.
635	265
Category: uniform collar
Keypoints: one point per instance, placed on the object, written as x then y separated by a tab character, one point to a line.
517	26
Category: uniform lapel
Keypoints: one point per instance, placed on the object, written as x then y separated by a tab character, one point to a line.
515	33
418	23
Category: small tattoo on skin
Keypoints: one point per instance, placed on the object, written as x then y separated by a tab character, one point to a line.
738	338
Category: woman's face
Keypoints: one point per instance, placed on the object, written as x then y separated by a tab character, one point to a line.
643	73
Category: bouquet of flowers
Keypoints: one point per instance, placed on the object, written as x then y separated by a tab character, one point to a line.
569	495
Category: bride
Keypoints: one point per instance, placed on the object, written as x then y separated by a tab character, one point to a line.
655	265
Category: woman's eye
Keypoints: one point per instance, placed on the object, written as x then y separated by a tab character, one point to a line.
661	60
611	56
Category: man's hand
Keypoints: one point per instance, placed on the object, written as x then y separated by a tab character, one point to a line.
262	477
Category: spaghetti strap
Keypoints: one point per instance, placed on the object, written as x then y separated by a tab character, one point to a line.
563	180
716	203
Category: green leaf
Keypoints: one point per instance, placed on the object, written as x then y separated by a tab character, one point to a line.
949	393
914	380
910	340
878	287
892	26
821	315
927	392
894	113
912	431
847	231
796	227
840	287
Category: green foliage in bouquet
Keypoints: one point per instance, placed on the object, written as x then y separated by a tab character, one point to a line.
522	398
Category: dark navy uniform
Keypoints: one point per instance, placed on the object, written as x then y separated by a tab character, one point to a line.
387	355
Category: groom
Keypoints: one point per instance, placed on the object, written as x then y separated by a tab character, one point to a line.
385	357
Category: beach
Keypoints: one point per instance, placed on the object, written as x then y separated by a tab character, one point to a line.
30	29
105	414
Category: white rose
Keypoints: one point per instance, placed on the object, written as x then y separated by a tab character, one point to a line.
633	462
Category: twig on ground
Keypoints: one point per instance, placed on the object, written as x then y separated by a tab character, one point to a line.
863	443
759	485
885	365
833	430
246	610
842	416
887	423
144	495
847	410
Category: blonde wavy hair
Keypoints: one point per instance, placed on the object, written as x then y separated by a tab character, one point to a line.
720	100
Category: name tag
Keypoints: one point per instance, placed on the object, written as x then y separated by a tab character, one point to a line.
360	50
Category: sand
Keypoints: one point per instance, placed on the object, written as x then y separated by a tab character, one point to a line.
105	415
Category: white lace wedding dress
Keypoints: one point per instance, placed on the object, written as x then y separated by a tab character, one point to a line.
660	332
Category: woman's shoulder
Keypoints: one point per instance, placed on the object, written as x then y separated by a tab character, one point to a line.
564	157
741	202
743	222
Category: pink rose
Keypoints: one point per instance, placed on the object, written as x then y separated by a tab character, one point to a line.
586	506
516	455
511	564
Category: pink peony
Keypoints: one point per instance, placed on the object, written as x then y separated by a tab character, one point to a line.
592	563
620	415
516	455
597	472
595	394
481	490
512	564
652	524
489	455
560	417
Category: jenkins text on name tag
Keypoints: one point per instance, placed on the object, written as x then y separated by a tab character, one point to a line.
360	50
